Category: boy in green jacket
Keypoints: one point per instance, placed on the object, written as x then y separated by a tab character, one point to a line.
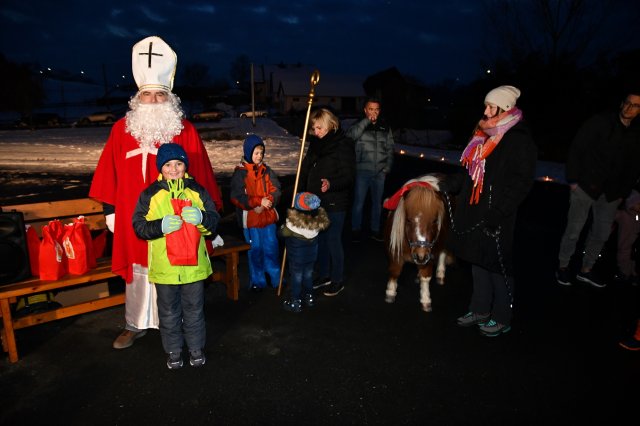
180	287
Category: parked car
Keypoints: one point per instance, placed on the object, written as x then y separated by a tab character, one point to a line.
249	114
97	118
40	119
213	115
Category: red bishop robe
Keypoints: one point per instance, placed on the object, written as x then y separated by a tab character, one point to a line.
125	170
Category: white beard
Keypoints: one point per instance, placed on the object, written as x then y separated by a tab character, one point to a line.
152	124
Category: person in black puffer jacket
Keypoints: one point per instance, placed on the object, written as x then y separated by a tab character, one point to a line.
328	170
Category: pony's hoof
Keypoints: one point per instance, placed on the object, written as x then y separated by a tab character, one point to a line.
390	299
440	280
427	307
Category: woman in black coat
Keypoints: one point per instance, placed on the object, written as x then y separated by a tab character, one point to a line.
500	160
328	170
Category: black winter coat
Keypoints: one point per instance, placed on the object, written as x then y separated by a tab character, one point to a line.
603	158
331	158
509	174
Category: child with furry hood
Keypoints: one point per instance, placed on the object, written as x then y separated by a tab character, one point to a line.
303	224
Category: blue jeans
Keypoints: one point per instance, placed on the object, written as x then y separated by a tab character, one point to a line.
301	256
301	276
264	255
367	181
604	213
181	314
330	251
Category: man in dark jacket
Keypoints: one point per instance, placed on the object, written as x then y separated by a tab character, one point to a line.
374	157
601	170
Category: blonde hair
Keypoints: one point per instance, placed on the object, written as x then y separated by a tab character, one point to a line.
326	117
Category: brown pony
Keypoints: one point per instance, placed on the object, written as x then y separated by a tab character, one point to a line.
415	232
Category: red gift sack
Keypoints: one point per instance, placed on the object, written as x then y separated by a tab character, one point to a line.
53	262
91	255
209	246
33	245
182	245
99	244
78	247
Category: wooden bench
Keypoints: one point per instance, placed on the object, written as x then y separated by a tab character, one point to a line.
39	214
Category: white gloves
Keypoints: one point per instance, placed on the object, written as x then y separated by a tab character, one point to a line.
217	241
111	221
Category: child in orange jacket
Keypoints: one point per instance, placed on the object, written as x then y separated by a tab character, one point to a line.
255	192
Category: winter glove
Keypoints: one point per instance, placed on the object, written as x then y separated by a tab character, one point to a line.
191	215
171	223
217	241
111	221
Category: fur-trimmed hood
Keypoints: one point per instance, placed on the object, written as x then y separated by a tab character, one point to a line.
307	224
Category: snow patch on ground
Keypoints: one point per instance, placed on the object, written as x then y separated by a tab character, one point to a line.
77	150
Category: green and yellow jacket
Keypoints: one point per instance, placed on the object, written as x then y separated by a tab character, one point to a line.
154	204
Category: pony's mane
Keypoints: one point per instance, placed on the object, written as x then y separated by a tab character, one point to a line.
419	200
432	180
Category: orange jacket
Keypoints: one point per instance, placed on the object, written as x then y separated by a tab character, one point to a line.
250	183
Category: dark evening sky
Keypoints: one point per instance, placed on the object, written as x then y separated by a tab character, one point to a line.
431	40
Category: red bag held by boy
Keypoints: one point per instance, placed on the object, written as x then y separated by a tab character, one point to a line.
53	262
78	247
182	245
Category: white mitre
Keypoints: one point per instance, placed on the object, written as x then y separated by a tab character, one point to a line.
154	64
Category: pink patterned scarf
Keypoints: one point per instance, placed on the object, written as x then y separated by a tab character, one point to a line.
486	137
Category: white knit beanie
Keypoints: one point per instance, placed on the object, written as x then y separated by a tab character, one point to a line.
504	96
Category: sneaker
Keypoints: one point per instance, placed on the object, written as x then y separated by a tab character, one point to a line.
621	279
563	276
630	344
322	282
471	318
377	236
308	300
334	289
126	338
197	358
255	289
293	305
356	235
174	360
591	278
493	329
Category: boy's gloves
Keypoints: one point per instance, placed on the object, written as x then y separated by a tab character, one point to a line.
191	215
171	223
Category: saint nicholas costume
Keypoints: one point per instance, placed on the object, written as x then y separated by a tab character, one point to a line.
126	168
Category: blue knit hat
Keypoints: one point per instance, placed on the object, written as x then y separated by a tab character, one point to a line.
249	145
168	152
306	201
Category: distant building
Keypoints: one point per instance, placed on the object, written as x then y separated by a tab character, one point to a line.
287	87
404	103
